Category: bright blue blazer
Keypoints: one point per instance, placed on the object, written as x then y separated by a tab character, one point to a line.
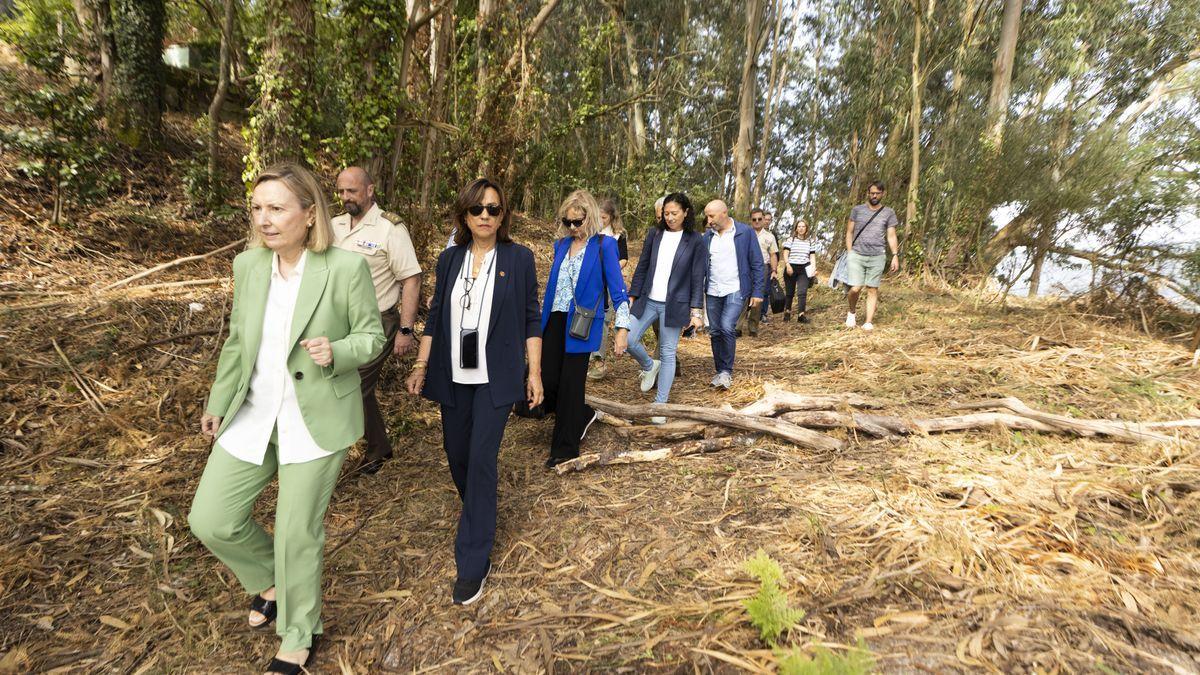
589	288
751	273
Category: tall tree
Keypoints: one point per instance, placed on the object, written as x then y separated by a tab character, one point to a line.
1002	70
744	147
135	103
282	126
218	100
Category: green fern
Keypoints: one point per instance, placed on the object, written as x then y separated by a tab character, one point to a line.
766	570
768	609
858	661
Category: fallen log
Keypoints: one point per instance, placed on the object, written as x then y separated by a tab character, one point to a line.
805	438
174	263
591	459
884	426
776	400
1118	430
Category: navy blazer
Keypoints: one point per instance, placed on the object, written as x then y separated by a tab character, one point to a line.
685	287
514	318
590	287
752	277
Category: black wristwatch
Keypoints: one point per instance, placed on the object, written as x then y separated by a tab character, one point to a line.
406	330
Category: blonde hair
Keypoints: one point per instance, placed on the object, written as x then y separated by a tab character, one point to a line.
609	206
300	182
584	201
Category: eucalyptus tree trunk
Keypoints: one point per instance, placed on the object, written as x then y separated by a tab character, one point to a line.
483	19
744	147
282	128
759	175
95	20
214	108
439	64
918	80
997	111
637	117
134	107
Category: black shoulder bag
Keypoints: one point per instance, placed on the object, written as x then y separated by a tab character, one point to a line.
581	322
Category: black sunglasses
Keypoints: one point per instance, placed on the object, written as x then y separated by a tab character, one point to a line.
478	209
567	222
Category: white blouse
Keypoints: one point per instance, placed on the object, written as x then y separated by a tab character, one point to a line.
271	402
668	245
477	315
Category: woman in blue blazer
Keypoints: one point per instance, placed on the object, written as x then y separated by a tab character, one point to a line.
667	289
585	276
484	309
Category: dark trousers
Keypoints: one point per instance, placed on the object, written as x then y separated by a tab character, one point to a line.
796	285
472	429
378	445
564	379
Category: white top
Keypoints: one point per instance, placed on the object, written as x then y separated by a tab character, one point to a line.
798	251
271	401
667	246
723	264
478	315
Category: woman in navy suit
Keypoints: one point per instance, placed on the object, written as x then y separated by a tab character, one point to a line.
585	276
667	289
484	307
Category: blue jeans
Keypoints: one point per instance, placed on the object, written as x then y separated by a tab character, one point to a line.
668	340
723	315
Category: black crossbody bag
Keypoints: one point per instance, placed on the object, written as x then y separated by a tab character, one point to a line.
581	322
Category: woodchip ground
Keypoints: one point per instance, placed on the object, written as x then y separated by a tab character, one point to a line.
993	551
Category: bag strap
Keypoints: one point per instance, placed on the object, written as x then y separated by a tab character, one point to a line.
603	278
865	226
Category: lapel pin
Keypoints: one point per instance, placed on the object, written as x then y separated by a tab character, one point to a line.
501	272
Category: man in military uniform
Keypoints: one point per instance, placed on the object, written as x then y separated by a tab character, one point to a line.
383	240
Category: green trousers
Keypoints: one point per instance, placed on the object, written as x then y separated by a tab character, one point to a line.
292	560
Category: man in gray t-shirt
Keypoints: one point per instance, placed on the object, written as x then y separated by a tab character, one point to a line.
870	225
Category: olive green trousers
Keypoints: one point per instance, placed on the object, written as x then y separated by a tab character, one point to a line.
291	561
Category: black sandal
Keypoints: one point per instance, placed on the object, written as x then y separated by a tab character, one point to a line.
267	608
289	668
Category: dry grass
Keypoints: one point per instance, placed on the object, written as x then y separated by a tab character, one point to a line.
996	551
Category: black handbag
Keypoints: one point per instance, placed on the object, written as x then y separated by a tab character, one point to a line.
778	298
580	326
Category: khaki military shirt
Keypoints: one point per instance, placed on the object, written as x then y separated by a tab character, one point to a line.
383	240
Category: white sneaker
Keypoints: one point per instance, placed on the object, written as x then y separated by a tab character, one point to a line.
726	380
716	381
850	322
658	419
868	326
650	376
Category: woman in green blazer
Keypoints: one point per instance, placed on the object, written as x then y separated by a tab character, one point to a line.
285	403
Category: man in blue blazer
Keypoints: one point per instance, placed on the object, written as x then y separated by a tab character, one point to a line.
735	275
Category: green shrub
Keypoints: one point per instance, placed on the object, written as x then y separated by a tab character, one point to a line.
58	142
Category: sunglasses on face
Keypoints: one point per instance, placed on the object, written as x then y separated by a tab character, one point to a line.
755	219
567	222
478	209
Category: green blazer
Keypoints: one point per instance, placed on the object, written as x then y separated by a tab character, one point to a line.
337	300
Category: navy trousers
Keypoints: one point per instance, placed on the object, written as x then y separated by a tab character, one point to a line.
471	433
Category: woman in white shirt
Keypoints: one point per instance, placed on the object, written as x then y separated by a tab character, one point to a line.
798	271
484	310
667	290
